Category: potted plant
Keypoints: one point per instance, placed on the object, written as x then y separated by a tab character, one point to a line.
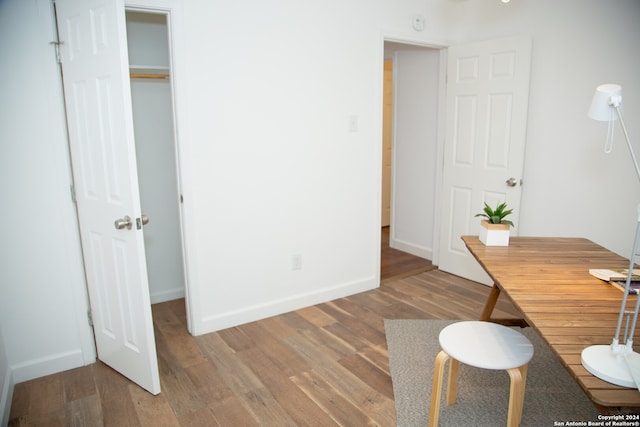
494	230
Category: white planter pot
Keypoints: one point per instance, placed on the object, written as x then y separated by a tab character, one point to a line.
494	234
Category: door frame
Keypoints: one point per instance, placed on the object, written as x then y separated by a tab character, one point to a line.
172	10
440	132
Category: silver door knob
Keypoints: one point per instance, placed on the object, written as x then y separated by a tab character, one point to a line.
143	220
123	223
512	182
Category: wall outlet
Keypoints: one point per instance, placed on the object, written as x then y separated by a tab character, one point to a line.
296	262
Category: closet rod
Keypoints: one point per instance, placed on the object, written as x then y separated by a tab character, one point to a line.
148	76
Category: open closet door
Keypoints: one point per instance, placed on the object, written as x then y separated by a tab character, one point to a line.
487	99
99	118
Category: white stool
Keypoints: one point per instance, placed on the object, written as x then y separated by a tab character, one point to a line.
482	345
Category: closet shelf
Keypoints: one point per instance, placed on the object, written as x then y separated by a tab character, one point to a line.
148	72
149	76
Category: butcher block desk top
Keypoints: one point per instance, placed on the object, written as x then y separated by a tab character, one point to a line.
548	280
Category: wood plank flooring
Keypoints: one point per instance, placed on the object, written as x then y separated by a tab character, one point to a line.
395	264
319	366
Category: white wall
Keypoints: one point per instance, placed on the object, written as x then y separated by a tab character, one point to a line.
275	171
43	300
416	101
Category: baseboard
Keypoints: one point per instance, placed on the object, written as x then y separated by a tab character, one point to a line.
6	397
410	248
48	365
274	308
169	295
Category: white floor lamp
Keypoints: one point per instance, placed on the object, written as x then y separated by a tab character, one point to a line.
616	363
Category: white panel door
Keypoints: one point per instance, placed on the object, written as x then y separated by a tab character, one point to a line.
98	102
486	118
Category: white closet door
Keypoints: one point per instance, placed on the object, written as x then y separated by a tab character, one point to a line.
98	101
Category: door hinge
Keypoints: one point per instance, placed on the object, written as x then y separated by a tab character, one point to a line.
90	317
72	188
56	46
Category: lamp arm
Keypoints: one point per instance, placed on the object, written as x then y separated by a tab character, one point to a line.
629	337
626	136
629	334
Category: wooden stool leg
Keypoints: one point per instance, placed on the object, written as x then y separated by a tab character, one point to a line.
516	395
452	383
523	373
436	390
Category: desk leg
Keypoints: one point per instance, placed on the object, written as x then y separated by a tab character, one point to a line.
491	303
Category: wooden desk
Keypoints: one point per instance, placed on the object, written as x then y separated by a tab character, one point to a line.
548	280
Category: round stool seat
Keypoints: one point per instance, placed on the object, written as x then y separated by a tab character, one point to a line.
486	345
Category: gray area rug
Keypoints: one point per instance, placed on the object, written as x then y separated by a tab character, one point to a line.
483	395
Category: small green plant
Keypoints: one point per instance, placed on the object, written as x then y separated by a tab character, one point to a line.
497	215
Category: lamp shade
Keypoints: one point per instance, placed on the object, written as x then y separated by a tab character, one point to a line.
606	97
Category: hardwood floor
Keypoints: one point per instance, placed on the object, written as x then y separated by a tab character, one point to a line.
395	264
319	366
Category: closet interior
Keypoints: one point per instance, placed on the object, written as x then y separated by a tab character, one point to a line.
156	152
